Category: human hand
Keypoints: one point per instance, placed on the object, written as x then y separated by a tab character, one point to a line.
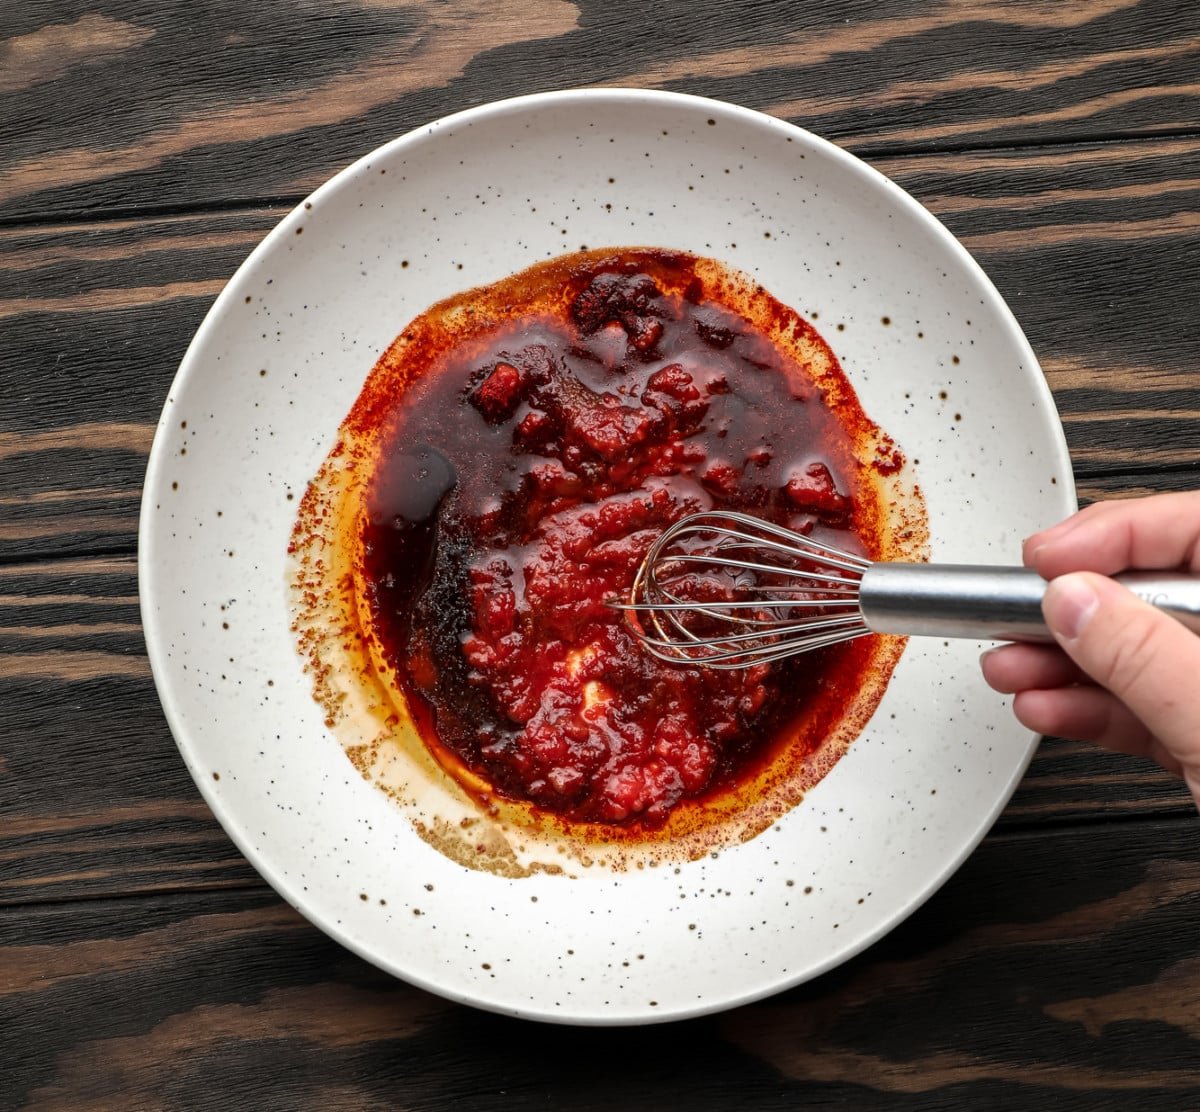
1122	674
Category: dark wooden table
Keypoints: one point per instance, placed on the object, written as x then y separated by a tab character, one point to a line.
145	148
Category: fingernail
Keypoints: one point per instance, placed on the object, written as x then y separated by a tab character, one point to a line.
1069	605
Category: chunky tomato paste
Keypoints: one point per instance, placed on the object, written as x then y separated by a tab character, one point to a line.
527	444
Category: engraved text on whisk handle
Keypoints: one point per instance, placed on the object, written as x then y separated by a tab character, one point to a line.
993	603
1177	595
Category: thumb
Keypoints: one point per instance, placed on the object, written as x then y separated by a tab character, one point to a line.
1145	657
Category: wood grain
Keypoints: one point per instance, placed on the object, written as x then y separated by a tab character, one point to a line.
94	318
988	997
146	148
280	92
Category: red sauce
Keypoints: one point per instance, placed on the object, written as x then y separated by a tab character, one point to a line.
529	441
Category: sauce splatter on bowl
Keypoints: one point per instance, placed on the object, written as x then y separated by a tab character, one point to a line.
500	477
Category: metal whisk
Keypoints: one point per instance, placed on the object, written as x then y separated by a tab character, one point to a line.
727	590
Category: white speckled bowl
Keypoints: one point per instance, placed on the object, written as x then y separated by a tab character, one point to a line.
937	359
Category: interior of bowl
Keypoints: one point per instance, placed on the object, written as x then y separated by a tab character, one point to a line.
936	359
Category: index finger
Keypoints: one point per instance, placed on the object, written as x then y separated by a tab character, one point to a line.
1162	531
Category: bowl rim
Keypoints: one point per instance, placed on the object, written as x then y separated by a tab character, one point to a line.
149	570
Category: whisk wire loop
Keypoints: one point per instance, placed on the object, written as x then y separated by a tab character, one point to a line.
727	590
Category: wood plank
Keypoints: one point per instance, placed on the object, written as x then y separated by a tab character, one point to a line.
282	94
1058	971
96	800
94	318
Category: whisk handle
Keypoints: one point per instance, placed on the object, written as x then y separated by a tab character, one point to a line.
993	603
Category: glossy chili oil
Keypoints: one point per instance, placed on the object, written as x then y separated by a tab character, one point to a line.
523	471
